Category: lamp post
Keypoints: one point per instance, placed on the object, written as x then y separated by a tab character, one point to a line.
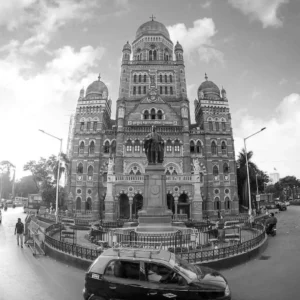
58	166
248	177
256	184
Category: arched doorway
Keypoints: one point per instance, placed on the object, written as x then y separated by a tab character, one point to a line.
137	205
171	203
88	204
124	207
78	203
184	205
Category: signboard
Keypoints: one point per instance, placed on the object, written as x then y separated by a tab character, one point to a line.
257	197
151	122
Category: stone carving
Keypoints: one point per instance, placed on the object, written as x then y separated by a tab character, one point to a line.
154	147
121	112
196	166
184	112
110	167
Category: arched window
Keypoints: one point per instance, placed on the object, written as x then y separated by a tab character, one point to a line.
134	90
140	78
146	114
154	54
150	55
166	78
225	169
223	126
145	90
145	77
106	147
81	125
216	173
169	146
92	147
81	148
224	148
217	126
129	146
140	90
201	177
137	146
90	172
113	147
88	204
227	203
192	147
80	168
166	90
166	57
159	115
171	78
210	126
95	125
78	203
177	146
160	90
104	177
171	90
217	205
134	78
152	114
160	78
199	147
213	148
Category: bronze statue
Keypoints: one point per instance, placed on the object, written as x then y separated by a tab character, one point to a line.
154	147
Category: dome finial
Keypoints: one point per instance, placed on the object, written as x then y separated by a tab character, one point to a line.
99	76
205	77
152	17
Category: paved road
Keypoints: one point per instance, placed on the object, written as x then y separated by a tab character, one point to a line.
23	276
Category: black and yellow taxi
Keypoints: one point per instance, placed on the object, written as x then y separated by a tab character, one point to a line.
138	273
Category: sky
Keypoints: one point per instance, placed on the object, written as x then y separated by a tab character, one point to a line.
50	49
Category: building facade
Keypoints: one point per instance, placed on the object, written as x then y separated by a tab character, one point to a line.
107	156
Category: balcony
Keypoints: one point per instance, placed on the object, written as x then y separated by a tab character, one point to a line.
140	178
163	130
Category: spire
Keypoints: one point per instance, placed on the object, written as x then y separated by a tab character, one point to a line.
99	77
152	18
205	77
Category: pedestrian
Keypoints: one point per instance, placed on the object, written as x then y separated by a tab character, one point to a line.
219	215
19	230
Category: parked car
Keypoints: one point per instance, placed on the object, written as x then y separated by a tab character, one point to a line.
287	203
281	206
135	273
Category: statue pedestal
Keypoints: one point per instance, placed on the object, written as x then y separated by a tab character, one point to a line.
155	215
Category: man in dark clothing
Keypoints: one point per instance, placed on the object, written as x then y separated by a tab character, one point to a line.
19	230
271	223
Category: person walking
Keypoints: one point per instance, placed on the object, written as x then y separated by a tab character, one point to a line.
19	230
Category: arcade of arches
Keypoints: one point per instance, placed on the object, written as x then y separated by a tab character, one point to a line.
128	207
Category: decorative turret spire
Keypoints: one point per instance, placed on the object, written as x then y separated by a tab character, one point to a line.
99	77
205	77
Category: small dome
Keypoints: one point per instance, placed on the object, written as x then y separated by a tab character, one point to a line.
152	27
97	87
209	89
127	47
178	47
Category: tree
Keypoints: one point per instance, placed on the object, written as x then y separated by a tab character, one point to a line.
7	183
44	174
25	186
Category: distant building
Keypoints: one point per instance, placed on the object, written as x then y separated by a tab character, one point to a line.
107	156
274	177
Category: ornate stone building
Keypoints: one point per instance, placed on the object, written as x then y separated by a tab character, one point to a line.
107	156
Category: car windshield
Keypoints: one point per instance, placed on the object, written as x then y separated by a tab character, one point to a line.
187	269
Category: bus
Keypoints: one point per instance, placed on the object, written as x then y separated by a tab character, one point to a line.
33	203
21	201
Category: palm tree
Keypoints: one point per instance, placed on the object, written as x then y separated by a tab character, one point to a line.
242	175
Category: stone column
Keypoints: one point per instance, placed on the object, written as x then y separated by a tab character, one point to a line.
176	206
109	200
130	207
196	203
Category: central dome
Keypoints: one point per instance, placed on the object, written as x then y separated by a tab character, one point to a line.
152	27
97	87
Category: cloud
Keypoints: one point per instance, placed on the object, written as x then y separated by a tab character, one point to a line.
283	81
262	10
41	100
197	39
255	93
206	4
277	146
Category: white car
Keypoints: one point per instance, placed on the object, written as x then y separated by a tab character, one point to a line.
287	203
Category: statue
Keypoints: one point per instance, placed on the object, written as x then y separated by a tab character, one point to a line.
110	167
154	147
196	166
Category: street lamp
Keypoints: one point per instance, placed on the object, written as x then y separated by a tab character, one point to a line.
256	184
58	166
248	177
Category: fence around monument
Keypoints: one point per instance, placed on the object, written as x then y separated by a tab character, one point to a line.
179	243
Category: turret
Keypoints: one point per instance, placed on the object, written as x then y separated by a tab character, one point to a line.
223	93
126	53
81	94
178	52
